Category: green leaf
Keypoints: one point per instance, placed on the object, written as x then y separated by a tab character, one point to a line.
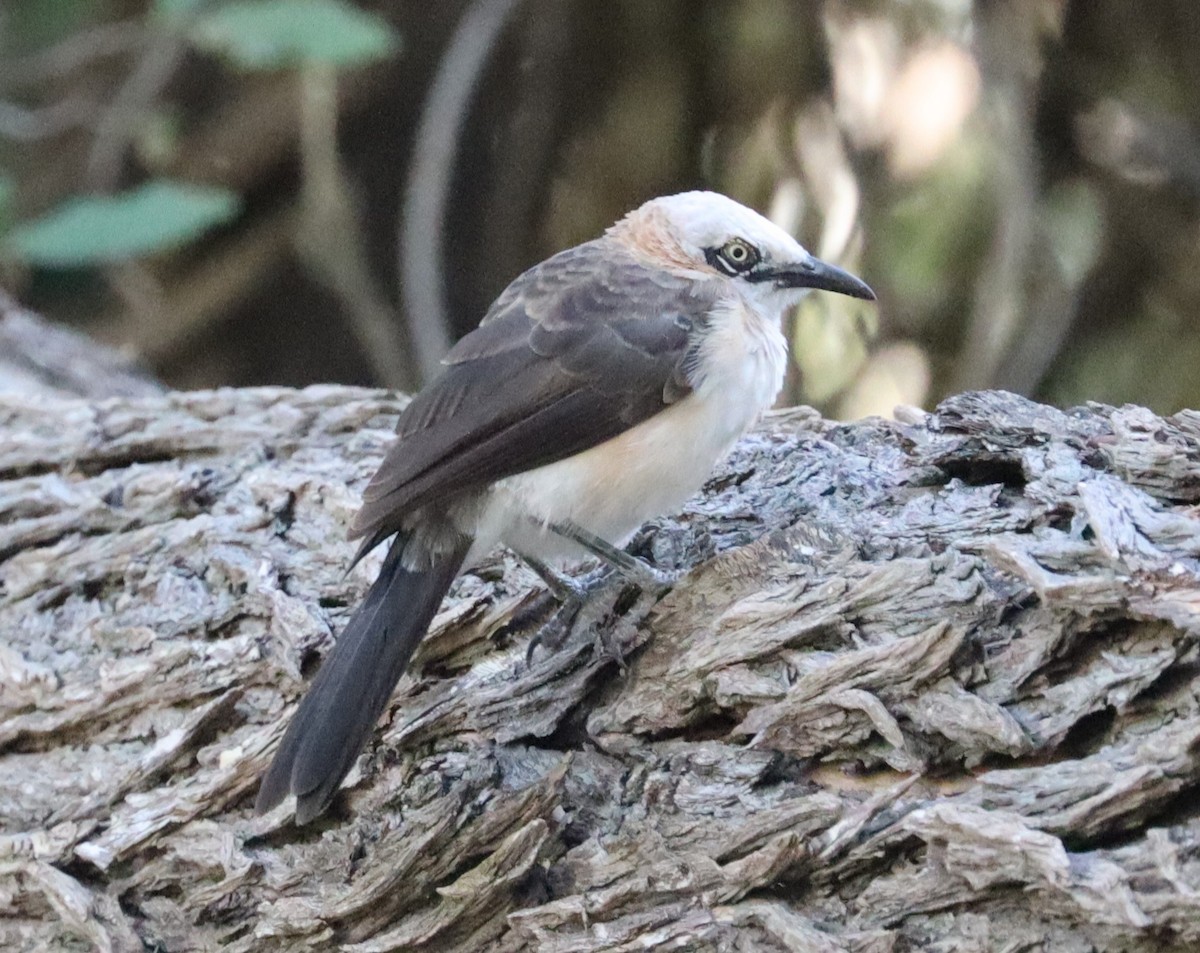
102	229
270	34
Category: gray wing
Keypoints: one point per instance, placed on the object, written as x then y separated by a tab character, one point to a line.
577	350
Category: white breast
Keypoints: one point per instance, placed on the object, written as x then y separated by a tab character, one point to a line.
654	467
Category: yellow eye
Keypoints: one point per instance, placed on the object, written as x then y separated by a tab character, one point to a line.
740	255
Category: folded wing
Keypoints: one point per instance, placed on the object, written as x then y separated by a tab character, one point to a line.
576	351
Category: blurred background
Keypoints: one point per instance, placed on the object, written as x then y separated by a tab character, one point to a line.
291	191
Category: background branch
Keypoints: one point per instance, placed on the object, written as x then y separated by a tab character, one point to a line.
431	172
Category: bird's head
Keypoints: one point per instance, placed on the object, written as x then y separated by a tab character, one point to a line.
709	236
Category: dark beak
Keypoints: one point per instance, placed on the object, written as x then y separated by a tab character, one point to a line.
823	276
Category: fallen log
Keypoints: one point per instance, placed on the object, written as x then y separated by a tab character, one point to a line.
38	357
927	684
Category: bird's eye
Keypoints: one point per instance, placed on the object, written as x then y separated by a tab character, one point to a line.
739	256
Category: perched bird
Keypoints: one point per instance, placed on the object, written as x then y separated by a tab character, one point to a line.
598	392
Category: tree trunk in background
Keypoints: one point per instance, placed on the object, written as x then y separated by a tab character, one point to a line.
927	685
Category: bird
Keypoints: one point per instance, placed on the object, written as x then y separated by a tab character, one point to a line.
598	392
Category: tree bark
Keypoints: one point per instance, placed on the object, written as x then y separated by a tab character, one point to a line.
926	685
37	357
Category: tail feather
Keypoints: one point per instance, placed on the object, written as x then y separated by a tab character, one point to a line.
335	718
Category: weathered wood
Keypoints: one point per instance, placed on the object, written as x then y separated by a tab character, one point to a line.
39	357
926	685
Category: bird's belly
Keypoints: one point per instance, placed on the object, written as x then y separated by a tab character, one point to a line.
613	488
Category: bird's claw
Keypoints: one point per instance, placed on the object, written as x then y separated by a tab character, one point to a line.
553	634
574	595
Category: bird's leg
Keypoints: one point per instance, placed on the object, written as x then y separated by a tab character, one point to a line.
633	569
624	569
571	594
565	588
574	595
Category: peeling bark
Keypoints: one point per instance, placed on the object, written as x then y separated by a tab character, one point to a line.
925	685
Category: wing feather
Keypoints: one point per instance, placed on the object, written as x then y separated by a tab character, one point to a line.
574	352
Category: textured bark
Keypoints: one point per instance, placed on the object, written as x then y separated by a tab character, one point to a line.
925	685
37	357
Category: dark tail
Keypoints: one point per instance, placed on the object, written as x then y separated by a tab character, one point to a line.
336	717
